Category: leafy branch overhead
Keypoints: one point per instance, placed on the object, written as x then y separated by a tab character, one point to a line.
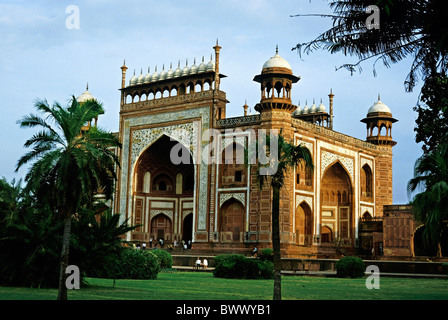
408	28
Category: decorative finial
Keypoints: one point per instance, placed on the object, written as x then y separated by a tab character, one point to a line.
276	49
87	87
124	62
379	97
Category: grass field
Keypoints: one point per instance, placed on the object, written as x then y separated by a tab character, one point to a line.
204	286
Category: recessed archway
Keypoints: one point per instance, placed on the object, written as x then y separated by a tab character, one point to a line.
338	211
304	224
231	221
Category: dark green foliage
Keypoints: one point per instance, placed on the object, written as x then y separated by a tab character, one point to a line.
135	264
352	267
267	254
430	205
239	267
432	113
164	257
96	241
30	240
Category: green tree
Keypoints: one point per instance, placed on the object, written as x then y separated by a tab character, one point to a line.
430	204
70	160
96	240
285	157
408	28
432	113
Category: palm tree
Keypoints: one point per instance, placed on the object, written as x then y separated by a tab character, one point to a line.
285	157
430	206
413	28
71	160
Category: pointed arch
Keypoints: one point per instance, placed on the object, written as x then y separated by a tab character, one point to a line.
304	224
231	221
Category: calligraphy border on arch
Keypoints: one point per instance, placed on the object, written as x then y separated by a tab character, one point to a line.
204	114
308	200
328	158
240	196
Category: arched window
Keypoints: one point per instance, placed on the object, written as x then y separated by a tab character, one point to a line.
163	183
366	182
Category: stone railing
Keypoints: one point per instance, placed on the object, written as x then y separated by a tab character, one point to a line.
238	121
168	101
337	136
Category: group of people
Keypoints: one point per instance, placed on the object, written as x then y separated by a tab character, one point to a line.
151	241
184	245
199	263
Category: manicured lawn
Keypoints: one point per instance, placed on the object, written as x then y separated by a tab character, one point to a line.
204	286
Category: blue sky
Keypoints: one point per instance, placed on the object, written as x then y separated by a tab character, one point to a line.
40	58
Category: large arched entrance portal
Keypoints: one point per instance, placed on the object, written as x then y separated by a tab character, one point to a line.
337	209
160	184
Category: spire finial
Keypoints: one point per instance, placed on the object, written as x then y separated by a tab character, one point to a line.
87	87
276	49
379	97
124	62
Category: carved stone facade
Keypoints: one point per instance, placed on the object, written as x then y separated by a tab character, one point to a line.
215	199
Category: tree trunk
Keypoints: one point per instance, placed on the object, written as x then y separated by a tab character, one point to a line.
62	292
276	243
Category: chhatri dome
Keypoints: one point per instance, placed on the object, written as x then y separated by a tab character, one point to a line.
379	107
276	62
85	96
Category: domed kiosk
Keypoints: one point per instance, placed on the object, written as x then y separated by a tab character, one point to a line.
379	119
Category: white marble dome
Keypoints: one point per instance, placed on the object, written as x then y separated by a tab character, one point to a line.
155	76
85	96
379	107
162	75
170	73
178	71
321	108
133	80
277	62
202	67
148	77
